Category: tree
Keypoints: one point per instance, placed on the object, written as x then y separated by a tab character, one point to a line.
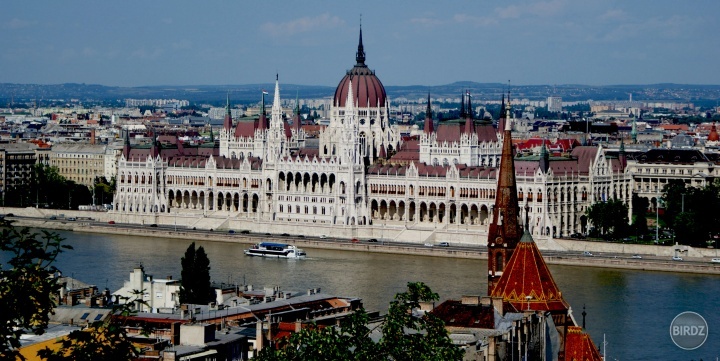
692	212
639	221
195	277
405	335
27	287
609	218
27	291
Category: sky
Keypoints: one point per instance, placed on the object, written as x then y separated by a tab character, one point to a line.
313	42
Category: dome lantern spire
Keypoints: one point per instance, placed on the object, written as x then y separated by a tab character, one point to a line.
360	55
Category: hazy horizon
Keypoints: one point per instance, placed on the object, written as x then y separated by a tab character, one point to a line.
219	43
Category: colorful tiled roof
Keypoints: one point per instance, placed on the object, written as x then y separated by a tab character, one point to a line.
579	346
526	274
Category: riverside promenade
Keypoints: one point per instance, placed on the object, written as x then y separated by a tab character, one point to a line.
555	251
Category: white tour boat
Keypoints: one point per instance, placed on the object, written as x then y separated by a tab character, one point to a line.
277	250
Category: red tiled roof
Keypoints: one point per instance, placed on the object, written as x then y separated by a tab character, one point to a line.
450	131
579	346
245	129
456	314
526	274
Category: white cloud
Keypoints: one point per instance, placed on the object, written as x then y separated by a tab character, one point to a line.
475	20
301	25
426	21
16	23
540	8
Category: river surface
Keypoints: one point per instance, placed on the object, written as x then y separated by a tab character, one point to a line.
632	309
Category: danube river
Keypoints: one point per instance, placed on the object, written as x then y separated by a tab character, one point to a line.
633	309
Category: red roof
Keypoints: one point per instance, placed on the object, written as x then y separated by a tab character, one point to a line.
579	346
526	274
451	132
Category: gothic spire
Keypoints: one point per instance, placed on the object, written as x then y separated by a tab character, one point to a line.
469	105
360	55
297	120
505	230
544	158
428	127
227	124
462	105
501	117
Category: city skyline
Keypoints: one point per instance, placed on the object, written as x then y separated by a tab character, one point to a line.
421	43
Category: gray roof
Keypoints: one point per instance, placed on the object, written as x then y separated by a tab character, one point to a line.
79	148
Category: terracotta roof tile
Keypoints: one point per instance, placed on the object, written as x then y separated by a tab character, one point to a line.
526	274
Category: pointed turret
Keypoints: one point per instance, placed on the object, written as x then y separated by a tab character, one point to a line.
544	158
622	157
227	124
504	231
469	121
155	148
428	126
262	121
462	105
126	146
276	115
360	55
501	118
526	283
297	120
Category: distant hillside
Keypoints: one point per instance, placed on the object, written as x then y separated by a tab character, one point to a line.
250	93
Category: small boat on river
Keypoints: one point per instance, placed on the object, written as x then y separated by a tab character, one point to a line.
276	250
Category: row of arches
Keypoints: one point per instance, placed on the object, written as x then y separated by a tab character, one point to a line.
429	212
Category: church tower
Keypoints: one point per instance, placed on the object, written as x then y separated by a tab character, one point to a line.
505	230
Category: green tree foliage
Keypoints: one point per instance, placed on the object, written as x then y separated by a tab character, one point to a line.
195	277
47	188
27	285
692	212
405	336
639	212
104	190
609	219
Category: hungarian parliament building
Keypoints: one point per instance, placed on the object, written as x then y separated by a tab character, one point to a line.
359	171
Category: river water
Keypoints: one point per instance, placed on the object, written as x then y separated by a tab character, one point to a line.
633	309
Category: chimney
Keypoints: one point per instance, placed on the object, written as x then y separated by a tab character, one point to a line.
92	136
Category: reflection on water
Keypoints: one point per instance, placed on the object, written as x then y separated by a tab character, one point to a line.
632	308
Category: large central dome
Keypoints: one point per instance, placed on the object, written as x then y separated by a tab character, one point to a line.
367	88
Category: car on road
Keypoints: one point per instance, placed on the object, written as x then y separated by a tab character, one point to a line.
715	260
443	244
677	258
577	235
231	231
322	236
587	253
429	245
111	222
9	215
636	256
372	240
245	231
72	219
354	240
285	235
152	225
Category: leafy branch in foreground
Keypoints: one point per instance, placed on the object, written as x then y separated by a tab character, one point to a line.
101	340
405	336
27	286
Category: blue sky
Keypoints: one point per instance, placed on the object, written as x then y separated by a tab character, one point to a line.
134	43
